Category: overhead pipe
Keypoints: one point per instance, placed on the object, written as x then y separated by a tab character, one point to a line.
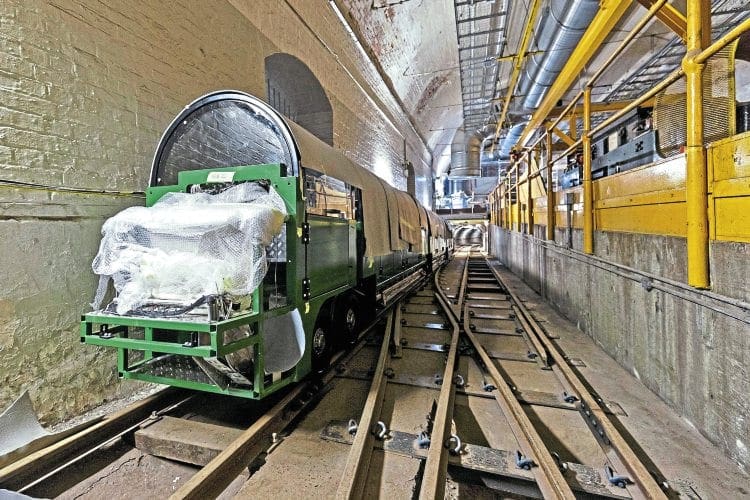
468	152
465	150
560	33
514	133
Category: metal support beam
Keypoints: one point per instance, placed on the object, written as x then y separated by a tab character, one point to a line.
550	192
696	187
588	186
565	137
518	63
671	17
529	199
509	219
472	47
610	13
500	13
519	220
477	33
573	126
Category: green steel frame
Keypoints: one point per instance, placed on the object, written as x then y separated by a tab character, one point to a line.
115	331
321	250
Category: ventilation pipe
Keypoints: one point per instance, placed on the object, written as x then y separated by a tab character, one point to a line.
510	140
560	31
465	152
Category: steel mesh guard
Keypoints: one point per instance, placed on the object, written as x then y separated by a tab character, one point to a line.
670	106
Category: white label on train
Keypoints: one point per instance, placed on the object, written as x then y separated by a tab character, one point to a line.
220	177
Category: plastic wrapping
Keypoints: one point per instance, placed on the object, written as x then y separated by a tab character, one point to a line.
190	245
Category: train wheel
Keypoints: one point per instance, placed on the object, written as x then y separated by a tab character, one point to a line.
321	345
349	319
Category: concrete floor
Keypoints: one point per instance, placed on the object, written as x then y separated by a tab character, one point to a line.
685	457
693	465
305	466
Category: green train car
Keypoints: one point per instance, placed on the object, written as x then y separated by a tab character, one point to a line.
348	243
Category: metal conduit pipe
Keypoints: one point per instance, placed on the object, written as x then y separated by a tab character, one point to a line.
561	28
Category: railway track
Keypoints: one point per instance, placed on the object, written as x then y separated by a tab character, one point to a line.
545	436
43	472
465	393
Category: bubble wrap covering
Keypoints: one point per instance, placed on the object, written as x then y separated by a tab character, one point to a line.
187	246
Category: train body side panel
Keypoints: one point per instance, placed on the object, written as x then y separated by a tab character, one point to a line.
331	257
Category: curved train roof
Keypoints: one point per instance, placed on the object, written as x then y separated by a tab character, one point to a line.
232	128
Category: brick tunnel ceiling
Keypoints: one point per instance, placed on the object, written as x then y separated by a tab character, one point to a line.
416	44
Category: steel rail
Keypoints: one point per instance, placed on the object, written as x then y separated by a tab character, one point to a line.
358	461
590	407
436	466
213	479
540	349
549	478
40	465
455	308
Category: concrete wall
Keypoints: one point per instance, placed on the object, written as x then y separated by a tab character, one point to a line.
87	89
692	348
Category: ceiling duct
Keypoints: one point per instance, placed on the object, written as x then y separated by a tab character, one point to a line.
561	28
510	140
466	150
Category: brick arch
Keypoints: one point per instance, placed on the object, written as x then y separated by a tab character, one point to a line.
296	92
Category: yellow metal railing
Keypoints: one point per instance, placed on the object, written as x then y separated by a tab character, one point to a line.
687	209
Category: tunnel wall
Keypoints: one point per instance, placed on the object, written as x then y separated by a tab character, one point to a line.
87	89
690	347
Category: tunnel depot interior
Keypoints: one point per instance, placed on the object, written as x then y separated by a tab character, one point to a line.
375	249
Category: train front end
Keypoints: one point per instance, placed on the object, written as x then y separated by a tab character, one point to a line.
198	289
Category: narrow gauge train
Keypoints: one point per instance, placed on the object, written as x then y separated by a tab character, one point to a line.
349	243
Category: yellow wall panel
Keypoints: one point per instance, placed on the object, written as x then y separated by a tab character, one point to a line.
663	218
730	158
732	218
561	216
662	176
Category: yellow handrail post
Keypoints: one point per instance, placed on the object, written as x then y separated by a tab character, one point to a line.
588	186
529	199
510	206
696	187
572	126
518	202
550	192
